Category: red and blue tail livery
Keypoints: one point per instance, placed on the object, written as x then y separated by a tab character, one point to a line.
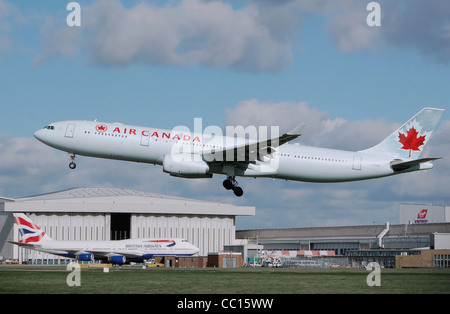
29	232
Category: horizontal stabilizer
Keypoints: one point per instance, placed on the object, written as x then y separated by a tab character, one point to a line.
22	244
400	165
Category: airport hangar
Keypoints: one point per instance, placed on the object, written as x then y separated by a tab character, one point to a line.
114	214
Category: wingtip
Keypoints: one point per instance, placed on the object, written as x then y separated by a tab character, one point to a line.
298	130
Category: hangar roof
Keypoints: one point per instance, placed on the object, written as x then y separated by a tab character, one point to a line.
117	200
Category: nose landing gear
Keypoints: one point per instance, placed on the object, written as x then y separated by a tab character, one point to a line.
72	164
231	184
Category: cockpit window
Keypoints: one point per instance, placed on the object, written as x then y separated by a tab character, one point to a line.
49	127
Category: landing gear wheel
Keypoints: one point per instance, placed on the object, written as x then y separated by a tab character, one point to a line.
72	164
227	184
231	184
238	191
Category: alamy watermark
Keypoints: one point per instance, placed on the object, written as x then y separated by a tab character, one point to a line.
374	278
374	17
74	278
74	17
238	143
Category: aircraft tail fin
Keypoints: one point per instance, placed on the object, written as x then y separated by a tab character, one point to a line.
29	231
408	141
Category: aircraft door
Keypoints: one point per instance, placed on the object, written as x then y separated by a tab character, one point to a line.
145	139
70	130
357	162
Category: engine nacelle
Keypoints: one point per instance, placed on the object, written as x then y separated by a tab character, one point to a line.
183	167
117	259
85	257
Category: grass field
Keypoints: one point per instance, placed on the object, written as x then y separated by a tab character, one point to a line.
135	280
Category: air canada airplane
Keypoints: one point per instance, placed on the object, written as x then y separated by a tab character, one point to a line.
196	155
117	252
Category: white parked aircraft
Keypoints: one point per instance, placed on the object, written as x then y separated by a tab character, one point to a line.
117	252
196	155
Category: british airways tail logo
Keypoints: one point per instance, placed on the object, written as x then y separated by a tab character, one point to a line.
29	232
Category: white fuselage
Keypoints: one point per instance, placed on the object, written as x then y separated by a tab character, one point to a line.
148	145
131	248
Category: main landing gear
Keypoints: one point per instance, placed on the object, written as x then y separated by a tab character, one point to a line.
231	184
72	164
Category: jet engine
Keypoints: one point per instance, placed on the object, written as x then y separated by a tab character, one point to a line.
117	259
184	167
85	257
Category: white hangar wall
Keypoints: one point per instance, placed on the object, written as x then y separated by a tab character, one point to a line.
424	213
209	233
112	213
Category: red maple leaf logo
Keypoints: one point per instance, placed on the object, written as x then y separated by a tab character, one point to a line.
101	128
411	141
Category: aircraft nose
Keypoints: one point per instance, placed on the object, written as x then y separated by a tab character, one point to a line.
39	134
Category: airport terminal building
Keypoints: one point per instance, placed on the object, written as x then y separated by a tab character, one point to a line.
114	214
421	239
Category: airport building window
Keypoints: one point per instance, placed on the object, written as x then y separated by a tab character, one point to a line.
441	260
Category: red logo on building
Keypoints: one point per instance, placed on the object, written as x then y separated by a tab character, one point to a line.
101	128
422	214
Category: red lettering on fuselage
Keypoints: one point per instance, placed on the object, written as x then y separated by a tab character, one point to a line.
185	137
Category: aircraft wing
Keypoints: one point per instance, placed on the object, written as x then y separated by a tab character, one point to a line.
128	254
106	253
253	150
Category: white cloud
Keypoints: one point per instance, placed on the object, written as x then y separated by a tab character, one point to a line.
350	30
418	25
257	36
320	130
58	41
190	32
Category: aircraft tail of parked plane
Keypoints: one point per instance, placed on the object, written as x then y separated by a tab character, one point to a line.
192	155
118	251
31	233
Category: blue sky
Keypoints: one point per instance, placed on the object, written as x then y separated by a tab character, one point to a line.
163	63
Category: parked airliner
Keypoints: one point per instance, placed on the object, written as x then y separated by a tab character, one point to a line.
117	252
196	155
